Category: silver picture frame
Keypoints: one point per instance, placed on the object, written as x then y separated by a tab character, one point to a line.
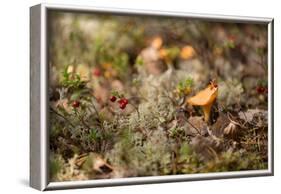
39	100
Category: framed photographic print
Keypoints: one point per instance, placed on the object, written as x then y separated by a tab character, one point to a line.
122	97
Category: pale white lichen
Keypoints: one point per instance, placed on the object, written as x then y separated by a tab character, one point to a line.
230	92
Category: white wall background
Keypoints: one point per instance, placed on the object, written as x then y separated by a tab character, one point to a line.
14	96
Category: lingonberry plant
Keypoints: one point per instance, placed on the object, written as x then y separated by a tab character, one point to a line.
184	87
122	101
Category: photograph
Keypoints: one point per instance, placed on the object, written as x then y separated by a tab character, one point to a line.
139	95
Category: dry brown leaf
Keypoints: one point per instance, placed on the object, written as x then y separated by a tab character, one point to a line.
100	165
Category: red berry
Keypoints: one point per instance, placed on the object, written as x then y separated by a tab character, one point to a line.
125	100
75	104
261	90
113	98
122	105
96	72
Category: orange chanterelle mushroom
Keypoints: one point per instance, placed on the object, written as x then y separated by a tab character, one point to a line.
205	99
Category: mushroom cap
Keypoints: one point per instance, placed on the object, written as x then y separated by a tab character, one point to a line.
187	52
157	42
204	97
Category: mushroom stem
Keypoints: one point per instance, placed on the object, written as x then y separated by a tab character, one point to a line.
207	111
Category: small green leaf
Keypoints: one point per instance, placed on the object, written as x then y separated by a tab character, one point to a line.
185	149
139	61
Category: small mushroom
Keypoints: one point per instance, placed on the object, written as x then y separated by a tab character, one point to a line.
231	130
157	42
205	99
187	52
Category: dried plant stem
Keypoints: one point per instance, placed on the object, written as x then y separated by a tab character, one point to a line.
60	115
83	122
136	108
198	130
171	99
97	113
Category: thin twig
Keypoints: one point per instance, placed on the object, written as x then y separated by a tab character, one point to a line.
97	113
137	109
60	115
167	96
198	131
81	120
